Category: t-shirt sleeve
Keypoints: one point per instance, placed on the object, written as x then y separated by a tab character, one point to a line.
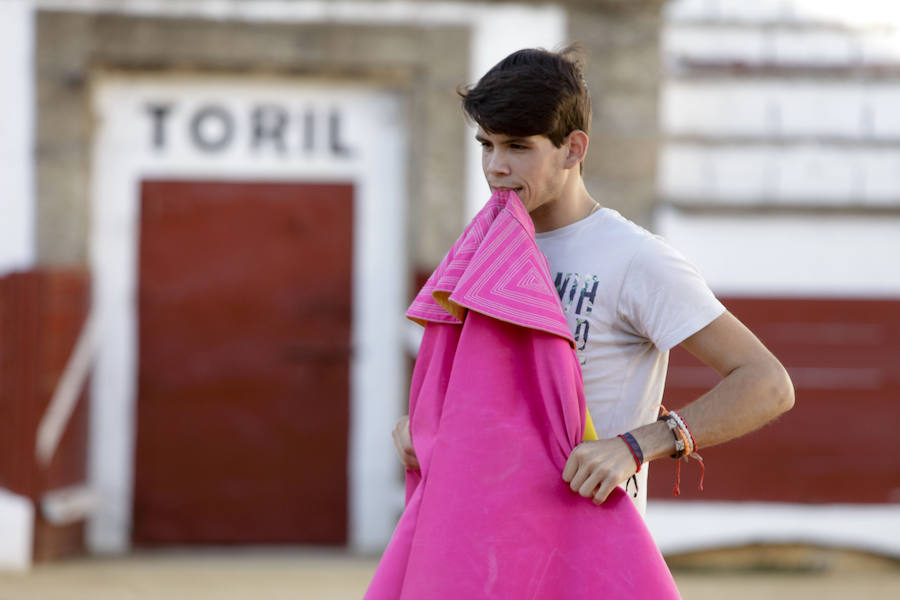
663	297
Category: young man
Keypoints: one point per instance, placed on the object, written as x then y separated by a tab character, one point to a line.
628	297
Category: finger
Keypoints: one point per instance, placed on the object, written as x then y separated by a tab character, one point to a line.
580	476
402	450
571	467
405	435
401	427
406	444
603	492
589	487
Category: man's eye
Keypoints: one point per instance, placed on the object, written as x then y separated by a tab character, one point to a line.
518	147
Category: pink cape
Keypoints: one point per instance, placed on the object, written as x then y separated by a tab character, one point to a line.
496	406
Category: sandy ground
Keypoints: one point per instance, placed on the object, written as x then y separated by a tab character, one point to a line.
268	574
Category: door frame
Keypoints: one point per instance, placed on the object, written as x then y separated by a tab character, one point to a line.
375	128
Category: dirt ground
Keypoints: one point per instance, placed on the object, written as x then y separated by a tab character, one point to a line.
314	574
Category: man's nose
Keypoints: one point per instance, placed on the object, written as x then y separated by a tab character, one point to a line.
497	164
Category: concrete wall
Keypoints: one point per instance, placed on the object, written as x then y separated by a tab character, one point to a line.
623	74
424	63
425	52
780	167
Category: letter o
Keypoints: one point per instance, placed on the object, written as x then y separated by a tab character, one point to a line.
216	140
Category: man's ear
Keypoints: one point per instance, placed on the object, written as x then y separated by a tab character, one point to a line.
577	144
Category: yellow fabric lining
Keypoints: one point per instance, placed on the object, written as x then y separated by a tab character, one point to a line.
589	432
443	298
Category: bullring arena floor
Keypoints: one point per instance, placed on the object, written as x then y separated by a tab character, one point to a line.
315	574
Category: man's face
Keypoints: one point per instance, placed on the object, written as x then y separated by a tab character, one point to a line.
531	166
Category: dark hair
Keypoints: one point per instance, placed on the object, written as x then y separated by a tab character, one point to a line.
532	92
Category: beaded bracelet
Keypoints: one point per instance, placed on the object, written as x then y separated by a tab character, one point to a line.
685	445
681	443
682	424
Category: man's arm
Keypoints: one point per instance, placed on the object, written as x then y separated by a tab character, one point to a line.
755	389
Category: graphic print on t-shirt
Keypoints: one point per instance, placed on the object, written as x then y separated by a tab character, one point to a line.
577	292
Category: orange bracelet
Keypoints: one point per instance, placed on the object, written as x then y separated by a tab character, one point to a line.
685	445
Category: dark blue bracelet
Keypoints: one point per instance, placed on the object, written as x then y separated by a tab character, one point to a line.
635	448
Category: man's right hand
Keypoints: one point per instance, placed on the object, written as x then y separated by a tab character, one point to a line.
403	442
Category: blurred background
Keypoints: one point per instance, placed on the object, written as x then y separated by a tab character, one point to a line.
213	214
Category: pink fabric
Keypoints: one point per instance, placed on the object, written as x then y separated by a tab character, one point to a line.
496	406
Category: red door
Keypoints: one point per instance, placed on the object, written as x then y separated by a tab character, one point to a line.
244	337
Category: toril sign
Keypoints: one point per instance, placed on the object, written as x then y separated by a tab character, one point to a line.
214	128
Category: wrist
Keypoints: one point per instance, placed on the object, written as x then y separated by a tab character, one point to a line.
655	440
635	448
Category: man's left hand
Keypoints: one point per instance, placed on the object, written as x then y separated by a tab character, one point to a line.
594	468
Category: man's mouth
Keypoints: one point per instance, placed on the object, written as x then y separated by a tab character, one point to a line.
506	189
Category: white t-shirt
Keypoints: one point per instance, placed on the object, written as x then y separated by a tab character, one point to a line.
629	298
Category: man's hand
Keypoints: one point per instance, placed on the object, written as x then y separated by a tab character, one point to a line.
403	442
595	468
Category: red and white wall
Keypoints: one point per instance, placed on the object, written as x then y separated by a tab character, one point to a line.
779	177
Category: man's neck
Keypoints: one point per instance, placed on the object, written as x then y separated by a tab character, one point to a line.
573	205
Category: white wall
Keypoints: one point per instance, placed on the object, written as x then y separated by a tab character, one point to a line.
17	525
695	526
790	255
727	41
768	107
846	109
16	219
859	13
805	174
16	136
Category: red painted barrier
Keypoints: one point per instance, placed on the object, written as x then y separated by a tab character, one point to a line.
41	315
841	441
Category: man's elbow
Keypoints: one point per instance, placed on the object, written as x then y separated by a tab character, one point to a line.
781	389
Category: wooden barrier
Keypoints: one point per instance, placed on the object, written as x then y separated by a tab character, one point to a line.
41	316
840	443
